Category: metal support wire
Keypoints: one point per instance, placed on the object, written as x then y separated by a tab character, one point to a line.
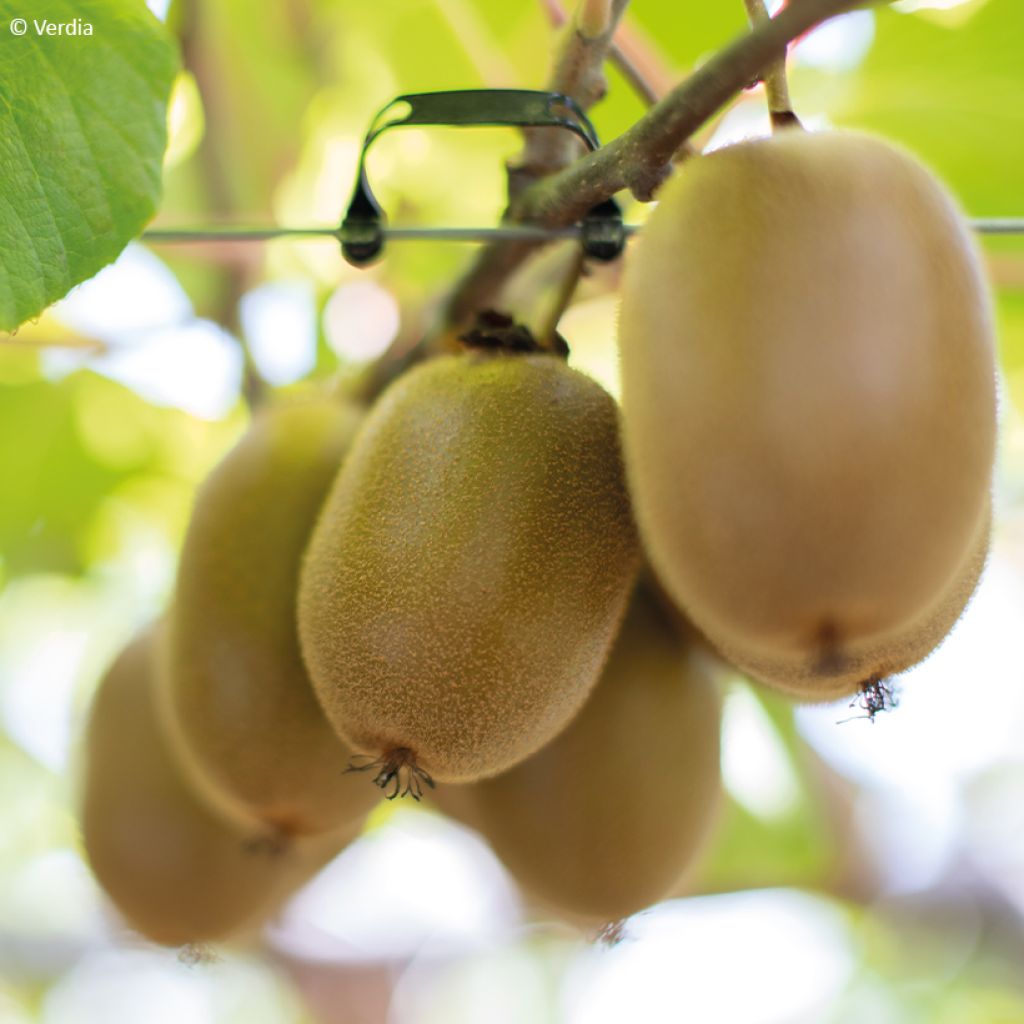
229	234
523	233
998	225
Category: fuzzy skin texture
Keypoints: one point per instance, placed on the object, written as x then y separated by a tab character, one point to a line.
809	400
876	658
176	871
466	578
235	693
606	819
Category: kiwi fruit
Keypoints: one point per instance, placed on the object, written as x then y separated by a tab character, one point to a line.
865	666
470	567
808	384
177	871
606	818
236	696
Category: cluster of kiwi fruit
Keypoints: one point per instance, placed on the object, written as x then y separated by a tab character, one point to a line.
496	589
212	785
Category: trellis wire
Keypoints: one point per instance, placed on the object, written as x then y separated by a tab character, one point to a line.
521	233
510	233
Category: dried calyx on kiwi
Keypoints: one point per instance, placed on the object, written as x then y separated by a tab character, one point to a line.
498	332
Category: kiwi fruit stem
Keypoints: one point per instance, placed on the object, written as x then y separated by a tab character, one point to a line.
776	85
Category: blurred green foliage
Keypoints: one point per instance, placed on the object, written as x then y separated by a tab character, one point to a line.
952	90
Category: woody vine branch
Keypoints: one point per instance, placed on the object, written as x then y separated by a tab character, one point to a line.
640	158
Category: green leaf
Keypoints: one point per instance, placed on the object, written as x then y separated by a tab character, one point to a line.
82	135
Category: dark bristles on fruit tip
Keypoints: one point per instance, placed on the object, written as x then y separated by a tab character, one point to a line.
398	774
875	695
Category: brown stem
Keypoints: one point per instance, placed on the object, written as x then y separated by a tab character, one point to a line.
641	65
631	53
577	73
776	86
638	159
548	331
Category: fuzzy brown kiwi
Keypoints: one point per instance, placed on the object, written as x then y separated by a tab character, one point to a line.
177	871
606	818
235	693
839	669
472	563
809	401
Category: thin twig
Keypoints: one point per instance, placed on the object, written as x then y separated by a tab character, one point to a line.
563	296
639	158
593	18
630	53
577	73
639	62
776	87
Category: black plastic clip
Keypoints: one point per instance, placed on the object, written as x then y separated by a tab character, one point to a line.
603	233
362	230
